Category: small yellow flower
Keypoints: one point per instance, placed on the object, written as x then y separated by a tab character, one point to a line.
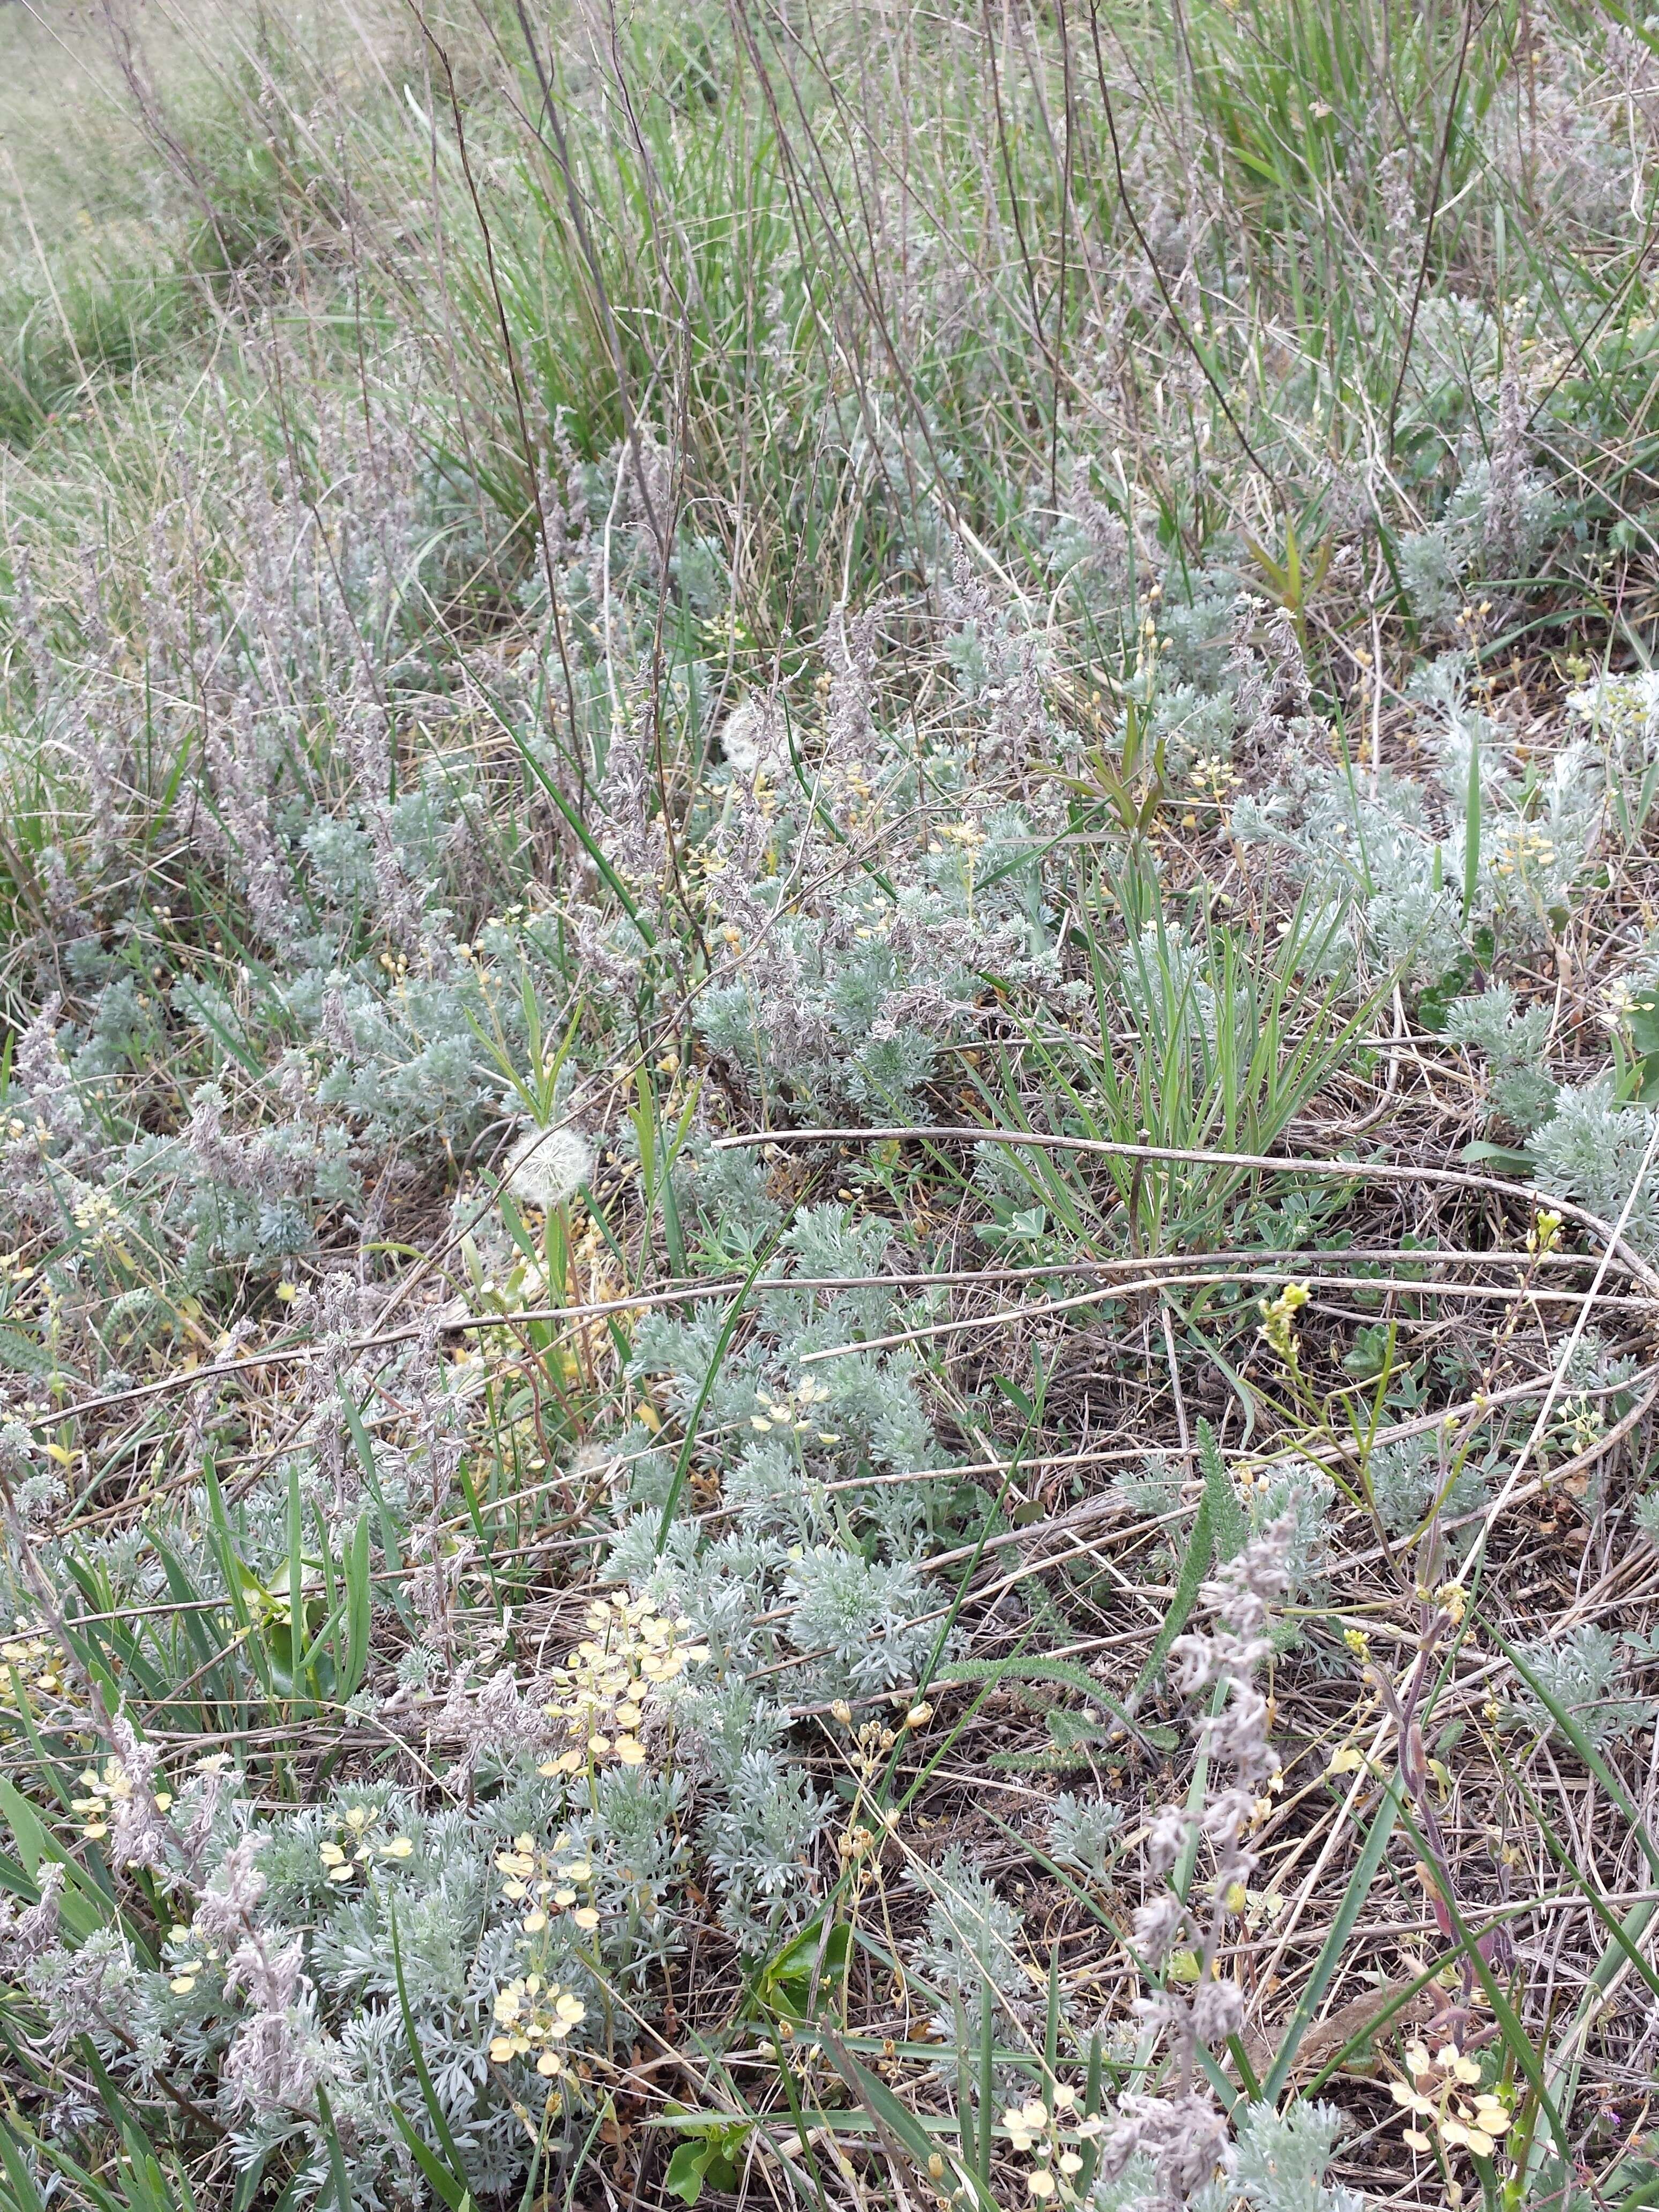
1212	778
1545	1234
1024	2124
1279	1318
1436	2094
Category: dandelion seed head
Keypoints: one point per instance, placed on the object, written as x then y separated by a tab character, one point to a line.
547	1166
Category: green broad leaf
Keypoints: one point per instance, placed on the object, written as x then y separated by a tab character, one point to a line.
712	2157
815	1962
688	2170
1507	1156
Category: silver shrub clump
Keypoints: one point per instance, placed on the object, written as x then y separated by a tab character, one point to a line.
1183	2129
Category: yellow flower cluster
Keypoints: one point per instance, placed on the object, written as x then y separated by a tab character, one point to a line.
1521	850
794	1412
343	1859
966	834
1437	2092
1212	778
100	1222
1619	1002
1035	2128
630	1651
188	1970
512	918
33	1655
104	1791
1581	1421
547	1883
1545	1235
533	2014
1278	1317
967	838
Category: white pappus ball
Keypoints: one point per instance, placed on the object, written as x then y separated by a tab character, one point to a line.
546	1166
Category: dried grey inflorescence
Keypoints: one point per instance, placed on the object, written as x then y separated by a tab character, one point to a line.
1183	2129
224	1910
272	2063
139	1834
24	1936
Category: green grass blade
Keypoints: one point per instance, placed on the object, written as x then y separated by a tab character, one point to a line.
1354	1895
